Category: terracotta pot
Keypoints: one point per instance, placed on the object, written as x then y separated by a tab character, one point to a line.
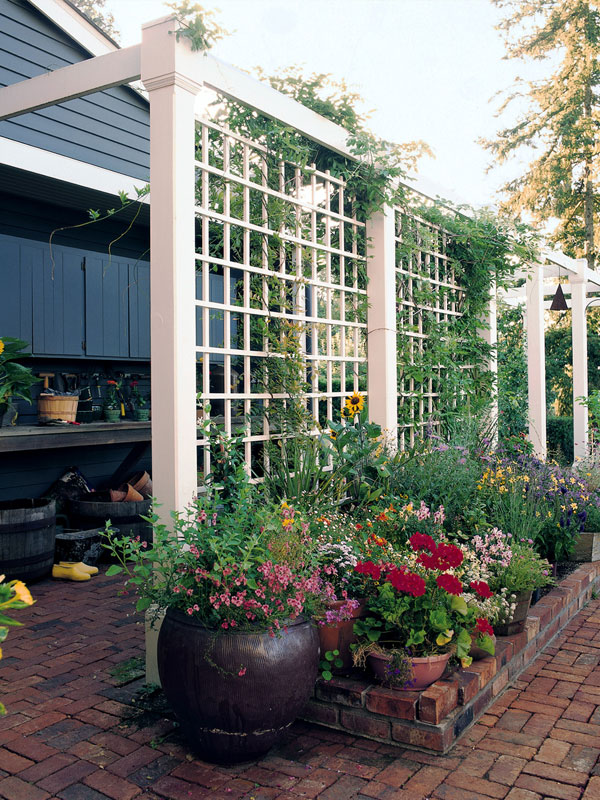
340	635
517	623
117	495
477	653
142	483
131	495
426	670
235	694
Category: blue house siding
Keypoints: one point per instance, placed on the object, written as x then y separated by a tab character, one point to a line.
109	129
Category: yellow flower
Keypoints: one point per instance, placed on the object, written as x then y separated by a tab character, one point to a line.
332	435
1	346
22	593
355	403
287	522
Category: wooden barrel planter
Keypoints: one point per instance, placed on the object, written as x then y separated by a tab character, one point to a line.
27	536
95	509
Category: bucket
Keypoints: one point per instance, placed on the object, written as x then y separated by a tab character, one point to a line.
93	511
27	535
55	406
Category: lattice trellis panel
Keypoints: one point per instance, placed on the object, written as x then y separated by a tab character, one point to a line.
428	300
273	242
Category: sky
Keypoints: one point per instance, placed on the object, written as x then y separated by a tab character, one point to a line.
428	68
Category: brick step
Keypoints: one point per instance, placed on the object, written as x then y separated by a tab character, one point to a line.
434	718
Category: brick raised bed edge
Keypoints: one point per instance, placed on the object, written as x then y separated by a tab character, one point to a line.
434	718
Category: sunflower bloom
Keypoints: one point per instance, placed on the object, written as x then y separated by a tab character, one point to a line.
355	403
1	347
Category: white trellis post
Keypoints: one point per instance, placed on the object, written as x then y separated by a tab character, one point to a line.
490	335
172	95
381	322
536	360
580	366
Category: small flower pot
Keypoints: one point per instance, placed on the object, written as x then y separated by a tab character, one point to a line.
517	623
112	414
426	670
141	414
340	635
587	547
8	415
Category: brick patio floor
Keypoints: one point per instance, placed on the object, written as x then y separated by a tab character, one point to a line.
74	732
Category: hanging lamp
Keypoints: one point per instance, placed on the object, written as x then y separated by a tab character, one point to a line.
558	301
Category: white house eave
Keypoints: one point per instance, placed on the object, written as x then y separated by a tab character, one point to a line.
76	25
52	165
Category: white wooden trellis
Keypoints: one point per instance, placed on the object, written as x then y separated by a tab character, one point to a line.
208	311
422	260
321	264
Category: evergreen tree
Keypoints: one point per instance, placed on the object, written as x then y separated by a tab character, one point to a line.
94	10
561	120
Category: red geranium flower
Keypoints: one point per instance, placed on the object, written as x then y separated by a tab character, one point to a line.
483	626
449	583
368	568
443	556
422	541
449	555
404	581
482	589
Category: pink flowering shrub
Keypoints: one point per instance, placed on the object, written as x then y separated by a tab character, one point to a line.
511	565
252	568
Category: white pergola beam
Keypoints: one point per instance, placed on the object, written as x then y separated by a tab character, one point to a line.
536	361
68	83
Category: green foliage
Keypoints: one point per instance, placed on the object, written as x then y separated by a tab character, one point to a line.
198	25
559	434
440	475
559	359
370	181
330	660
561	119
15	379
512	373
483	249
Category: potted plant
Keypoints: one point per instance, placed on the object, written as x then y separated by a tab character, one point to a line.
237	652
587	543
417	616
15	379
140	402
515	567
112	403
338	548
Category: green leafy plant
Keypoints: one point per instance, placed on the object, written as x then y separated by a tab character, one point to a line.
245	569
15	379
417	605
14	595
330	660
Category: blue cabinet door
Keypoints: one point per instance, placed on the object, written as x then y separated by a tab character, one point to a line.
16	268
139	309
106	306
58	293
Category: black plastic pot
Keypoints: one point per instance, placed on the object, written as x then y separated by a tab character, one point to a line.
235	694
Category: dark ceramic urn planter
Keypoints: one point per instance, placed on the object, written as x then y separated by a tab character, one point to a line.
235	694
